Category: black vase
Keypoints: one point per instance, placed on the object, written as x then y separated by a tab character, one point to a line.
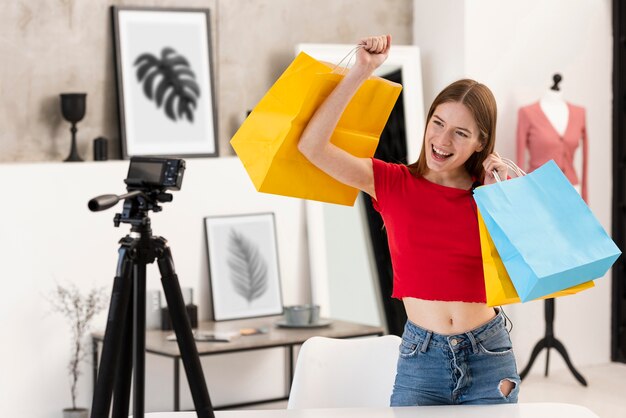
73	107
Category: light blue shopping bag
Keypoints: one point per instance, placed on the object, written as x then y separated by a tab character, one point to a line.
546	235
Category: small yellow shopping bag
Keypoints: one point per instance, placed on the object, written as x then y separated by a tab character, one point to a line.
267	141
498	285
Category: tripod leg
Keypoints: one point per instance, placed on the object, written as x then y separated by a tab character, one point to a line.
561	349
139	338
121	394
184	336
111	344
538	347
547	361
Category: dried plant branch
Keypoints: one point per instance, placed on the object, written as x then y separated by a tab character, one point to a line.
79	310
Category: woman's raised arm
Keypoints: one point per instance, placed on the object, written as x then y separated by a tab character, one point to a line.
315	140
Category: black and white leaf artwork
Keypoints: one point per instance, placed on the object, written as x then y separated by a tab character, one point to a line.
177	87
248	267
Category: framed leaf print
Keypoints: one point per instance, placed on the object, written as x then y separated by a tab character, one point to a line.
243	266
164	82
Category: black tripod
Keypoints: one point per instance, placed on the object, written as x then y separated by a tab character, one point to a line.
126	323
548	342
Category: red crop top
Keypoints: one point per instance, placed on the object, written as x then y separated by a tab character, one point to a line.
433	236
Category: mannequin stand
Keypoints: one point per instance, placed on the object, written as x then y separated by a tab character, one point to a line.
548	342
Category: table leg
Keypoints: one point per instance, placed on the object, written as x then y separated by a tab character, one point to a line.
289	368
94	353
176	384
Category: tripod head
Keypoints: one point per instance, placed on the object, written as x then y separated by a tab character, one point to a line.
147	182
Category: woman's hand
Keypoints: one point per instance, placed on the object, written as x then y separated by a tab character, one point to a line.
373	52
494	163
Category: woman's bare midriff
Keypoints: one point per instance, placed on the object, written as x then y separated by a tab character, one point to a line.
447	318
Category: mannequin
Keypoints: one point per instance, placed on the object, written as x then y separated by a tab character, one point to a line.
556	110
553	129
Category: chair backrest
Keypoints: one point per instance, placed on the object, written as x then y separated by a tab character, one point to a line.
336	373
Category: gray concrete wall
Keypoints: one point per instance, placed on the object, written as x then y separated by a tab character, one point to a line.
49	47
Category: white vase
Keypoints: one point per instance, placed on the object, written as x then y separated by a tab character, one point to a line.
76	413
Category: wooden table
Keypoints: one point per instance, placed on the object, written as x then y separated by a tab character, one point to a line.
156	343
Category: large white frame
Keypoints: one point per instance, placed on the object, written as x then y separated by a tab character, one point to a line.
330	226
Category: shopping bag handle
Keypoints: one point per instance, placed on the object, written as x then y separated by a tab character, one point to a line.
349	55
518	171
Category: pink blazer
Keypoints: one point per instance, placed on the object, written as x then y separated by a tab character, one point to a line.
536	134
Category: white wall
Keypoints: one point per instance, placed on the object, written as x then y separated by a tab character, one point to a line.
438	30
515	47
47	234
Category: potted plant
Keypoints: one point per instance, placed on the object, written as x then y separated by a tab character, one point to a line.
79	310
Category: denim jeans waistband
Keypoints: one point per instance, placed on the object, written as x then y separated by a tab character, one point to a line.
425	338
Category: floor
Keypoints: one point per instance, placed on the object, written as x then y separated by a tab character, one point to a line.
605	394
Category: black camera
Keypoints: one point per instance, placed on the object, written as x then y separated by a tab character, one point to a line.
148	179
149	173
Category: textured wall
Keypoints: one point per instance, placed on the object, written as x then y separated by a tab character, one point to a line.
48	47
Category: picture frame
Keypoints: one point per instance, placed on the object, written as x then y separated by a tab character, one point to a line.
244	273
164	76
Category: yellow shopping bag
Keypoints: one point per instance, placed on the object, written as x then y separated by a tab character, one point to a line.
498	285
267	141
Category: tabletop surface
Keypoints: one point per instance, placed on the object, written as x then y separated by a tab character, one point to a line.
521	410
156	341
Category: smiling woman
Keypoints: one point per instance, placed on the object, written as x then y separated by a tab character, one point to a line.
431	223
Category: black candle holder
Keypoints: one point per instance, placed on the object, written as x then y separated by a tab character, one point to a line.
73	107
100	149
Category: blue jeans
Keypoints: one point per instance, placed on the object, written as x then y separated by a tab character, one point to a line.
463	369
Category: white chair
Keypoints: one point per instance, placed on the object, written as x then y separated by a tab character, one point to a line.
343	373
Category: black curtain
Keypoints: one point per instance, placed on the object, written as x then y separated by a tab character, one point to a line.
391	148
618	317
